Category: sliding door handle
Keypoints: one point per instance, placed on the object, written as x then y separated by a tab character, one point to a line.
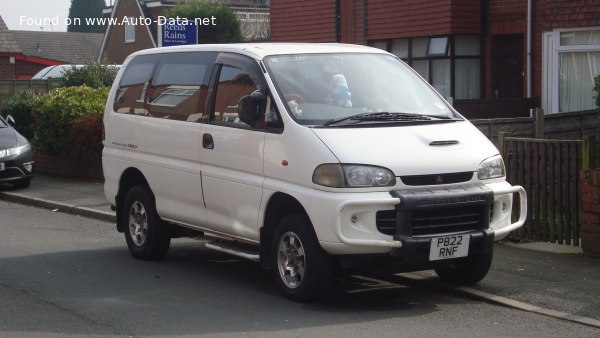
207	141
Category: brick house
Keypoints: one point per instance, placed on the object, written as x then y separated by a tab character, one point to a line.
122	40
494	58
24	53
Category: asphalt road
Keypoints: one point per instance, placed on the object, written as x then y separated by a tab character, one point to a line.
64	275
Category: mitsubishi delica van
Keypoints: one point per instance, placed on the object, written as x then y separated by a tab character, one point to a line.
305	157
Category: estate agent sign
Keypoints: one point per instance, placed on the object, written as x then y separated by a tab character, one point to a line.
172	33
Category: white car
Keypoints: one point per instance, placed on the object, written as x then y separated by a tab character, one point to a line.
340	156
55	72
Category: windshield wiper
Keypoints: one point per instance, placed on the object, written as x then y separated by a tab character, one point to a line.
379	117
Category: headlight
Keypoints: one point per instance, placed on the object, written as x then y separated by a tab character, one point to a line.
14	151
353	176
492	167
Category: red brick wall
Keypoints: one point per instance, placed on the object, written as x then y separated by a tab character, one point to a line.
7	71
69	167
390	19
303	21
590	231
352	22
507	16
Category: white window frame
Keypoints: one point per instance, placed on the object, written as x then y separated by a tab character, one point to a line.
551	50
129	28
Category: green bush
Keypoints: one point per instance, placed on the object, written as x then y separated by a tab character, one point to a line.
227	27
55	111
19	106
92	75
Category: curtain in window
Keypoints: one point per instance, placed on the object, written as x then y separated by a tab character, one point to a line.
440	70
422	67
576	80
400	48
419	47
467	84
577	38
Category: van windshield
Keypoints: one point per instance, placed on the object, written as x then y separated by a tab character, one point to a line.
354	89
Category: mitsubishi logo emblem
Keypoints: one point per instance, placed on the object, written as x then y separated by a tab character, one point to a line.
439	180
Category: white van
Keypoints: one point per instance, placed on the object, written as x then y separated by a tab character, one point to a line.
305	157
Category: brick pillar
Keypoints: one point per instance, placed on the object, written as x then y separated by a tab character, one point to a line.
590	210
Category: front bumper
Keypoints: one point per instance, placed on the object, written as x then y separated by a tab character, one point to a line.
358	230
15	168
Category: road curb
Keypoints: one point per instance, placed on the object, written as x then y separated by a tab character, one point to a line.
503	301
64	207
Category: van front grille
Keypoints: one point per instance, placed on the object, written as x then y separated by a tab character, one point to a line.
436	179
435	221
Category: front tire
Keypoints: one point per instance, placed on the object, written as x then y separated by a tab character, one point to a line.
466	271
301	267
147	236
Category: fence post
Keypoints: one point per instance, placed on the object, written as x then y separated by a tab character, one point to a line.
538	122
589	152
502	135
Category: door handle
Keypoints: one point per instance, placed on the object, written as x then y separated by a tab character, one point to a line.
207	141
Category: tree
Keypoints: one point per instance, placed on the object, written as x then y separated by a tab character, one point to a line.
226	28
81	10
93	75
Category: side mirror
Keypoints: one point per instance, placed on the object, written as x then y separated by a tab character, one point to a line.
250	108
10	120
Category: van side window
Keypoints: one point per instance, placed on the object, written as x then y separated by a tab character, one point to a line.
130	96
234	83
180	85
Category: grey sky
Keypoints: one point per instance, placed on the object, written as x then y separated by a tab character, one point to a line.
32	15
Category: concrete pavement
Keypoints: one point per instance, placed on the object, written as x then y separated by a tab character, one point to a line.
82	197
549	279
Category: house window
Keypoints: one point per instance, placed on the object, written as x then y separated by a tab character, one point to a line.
129	30
438	46
572	60
452	64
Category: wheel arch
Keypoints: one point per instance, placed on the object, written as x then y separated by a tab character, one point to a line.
279	206
130	178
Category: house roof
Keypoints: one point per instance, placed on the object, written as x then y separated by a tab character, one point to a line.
8	44
67	47
106	35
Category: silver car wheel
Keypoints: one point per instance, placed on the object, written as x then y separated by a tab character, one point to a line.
291	260
138	223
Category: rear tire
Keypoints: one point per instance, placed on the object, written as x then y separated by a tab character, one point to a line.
466	271
301	267
147	236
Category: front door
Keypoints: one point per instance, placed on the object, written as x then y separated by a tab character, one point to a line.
509	72
233	152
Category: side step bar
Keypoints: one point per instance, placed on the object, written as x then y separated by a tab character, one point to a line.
240	250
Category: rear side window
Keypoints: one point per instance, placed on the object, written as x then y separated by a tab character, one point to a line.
180	86
134	83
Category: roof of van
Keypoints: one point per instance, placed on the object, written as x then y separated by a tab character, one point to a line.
261	50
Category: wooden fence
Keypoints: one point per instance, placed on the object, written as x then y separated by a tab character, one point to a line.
549	170
9	88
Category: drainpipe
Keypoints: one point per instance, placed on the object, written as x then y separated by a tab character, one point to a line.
338	33
366	22
529	43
